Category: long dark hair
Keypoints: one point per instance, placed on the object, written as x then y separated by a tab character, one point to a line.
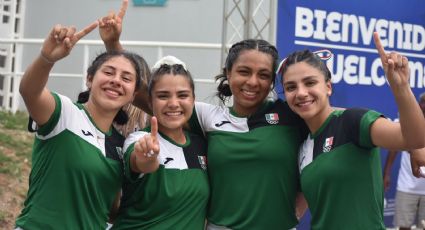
121	118
223	88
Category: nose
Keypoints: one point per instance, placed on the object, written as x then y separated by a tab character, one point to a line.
115	80
302	92
173	102
253	80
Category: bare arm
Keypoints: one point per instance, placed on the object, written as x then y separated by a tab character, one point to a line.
388	167
410	132
58	44
300	205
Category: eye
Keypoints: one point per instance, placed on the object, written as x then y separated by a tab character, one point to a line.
183	95
265	76
310	83
127	78
108	72
243	72
162	96
289	87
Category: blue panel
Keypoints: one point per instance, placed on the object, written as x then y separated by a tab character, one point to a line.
149	2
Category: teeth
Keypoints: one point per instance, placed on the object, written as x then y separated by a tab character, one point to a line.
304	103
173	113
249	93
112	92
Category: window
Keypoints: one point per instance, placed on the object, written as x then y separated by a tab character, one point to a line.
5	19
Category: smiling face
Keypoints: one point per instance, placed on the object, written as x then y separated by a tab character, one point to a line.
113	84
307	93
250	81
172	100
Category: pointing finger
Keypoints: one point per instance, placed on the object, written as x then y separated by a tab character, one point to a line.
154	127
379	47
123	9
86	30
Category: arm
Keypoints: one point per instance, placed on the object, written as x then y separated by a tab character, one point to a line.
113	213
387	168
300	205
110	28
410	132
144	158
58	44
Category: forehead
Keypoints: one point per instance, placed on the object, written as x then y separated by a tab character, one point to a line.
300	70
254	57
120	63
169	81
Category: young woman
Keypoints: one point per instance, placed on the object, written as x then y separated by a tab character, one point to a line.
166	166
339	162
252	145
76	167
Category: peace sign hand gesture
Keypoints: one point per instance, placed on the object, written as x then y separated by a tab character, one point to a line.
110	27
395	65
146	150
61	40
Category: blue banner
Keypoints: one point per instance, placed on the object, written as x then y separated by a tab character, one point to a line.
346	28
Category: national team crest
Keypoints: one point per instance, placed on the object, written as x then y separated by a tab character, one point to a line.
327	146
272	118
203	162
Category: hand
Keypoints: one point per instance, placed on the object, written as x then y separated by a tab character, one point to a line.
396	66
146	149
61	40
417	160
110	26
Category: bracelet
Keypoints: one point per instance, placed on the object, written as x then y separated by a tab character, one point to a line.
46	59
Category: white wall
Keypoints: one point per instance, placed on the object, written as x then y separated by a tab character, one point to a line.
180	21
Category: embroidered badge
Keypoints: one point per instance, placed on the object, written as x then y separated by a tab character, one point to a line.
272	118
203	162
327	146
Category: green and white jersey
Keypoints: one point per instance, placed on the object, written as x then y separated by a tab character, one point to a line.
341	173
252	165
173	197
76	172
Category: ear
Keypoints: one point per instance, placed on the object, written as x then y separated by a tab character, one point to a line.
329	88
89	81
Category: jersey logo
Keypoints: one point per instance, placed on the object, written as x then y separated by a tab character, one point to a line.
327	146
222	123
119	152
203	162
87	133
168	159
272	118
306	153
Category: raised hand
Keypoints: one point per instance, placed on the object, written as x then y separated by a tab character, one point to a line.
61	40
146	150
396	66
110	26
